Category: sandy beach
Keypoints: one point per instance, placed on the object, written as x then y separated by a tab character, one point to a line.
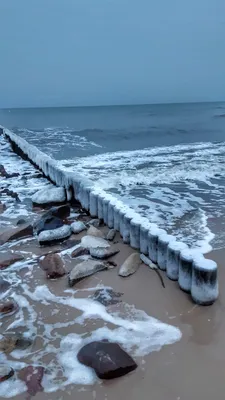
191	367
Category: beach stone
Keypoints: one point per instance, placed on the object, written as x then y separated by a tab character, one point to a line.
20	232
21	222
94	222
91	241
111	234
130	265
111	264
32	376
78	227
4	285
6	372
8	258
80	251
49	196
2	207
11	342
85	269
8	307
11	194
48	223
55	235
5	174
61	211
92	231
103	252
53	265
107	297
108	360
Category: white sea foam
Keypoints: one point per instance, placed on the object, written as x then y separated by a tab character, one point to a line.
180	187
137	333
49	138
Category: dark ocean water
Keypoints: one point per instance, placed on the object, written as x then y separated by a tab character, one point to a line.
117	128
167	161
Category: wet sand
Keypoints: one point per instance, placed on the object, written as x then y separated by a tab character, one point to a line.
189	369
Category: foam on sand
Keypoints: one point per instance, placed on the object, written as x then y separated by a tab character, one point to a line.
133	329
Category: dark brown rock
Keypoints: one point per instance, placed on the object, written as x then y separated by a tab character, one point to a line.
111	263
8	307
6	372
20	232
7	259
2	207
47	223
108	360
80	251
53	265
10	193
21	222
32	376
12	341
61	212
4	285
5	174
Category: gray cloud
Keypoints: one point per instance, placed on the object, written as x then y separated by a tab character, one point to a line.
90	52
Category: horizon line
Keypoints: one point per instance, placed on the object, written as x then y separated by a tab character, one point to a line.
113	105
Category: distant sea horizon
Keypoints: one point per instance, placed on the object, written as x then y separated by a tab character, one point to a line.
112	105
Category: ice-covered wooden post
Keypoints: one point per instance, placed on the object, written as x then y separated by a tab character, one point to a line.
94	204
185	269
116	215
128	216
153	237
105	209
144	239
204	285
100	206
111	207
173	254
135	225
85	196
163	242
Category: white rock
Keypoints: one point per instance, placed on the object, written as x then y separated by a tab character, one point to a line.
91	242
130	265
55	234
102	252
78	227
53	195
84	269
92	231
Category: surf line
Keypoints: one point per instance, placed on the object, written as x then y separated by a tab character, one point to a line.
195	274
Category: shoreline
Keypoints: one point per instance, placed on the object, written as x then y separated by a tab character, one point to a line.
134	229
189	368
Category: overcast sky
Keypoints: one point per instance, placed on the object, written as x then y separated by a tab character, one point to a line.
93	52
